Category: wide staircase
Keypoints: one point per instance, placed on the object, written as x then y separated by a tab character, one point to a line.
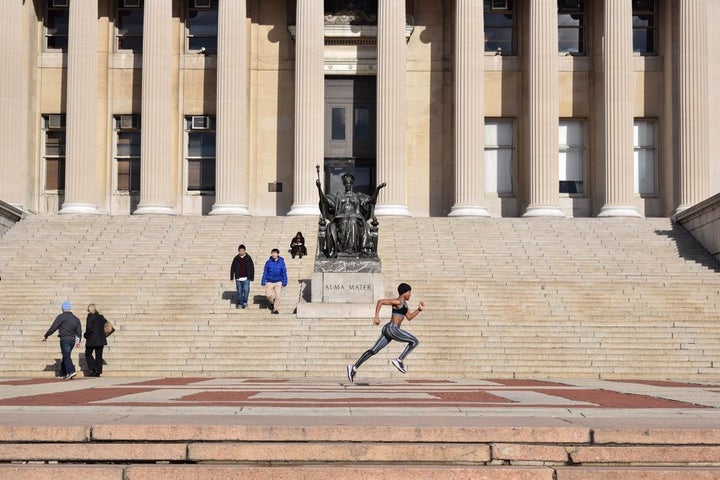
526	298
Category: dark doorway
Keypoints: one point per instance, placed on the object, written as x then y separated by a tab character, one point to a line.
350	106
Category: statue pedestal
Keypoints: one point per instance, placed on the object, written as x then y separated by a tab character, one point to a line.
344	287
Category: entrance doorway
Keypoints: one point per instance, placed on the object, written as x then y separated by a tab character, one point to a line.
350	106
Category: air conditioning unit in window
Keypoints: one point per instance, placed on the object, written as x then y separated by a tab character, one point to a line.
56	121
131	3
129	122
202	4
59	3
200	122
498	4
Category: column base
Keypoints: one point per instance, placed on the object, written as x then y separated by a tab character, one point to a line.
229	209
392	211
79	209
619	211
468	211
297	210
154	210
545	211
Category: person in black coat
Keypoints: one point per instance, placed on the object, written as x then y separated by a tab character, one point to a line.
94	340
297	245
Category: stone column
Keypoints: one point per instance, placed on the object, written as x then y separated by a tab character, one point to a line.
81	117
309	105
693	93
13	105
231	184
543	110
157	183
469	110
391	109
618	100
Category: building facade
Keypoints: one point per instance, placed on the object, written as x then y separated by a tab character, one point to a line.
463	107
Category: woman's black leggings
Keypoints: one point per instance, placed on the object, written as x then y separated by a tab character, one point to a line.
391	331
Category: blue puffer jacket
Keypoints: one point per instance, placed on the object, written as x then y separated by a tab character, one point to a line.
274	271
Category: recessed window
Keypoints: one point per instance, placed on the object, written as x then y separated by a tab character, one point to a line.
338	124
644	23
499	156
129	25
200	156
645	161
57	25
500	26
571	142
571	27
201	25
127	153
54	152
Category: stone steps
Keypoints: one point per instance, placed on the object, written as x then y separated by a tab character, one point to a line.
592	296
185	451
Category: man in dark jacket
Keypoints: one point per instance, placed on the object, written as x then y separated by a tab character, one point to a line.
274	279
70	332
242	271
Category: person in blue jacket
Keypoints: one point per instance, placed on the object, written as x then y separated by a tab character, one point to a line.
274	278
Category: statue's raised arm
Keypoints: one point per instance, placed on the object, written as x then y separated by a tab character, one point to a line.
375	194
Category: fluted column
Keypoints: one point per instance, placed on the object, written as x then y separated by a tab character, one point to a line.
231	185
693	94
13	106
157	183
309	105
81	118
469	110
543	110
391	108
618	101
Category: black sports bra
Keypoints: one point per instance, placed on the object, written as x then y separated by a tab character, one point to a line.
400	311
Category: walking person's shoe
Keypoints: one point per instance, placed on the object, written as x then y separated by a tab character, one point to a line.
275	312
351	371
70	376
399	365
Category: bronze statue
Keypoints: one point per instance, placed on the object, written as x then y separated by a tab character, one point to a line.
344	227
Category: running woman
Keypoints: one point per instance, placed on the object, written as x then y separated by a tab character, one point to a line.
392	330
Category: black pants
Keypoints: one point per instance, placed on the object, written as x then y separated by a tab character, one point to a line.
94	364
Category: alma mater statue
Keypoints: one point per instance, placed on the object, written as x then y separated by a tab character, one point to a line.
344	228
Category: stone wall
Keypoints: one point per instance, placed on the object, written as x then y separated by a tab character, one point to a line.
9	216
703	222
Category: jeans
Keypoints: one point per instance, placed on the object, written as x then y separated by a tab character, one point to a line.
66	346
243	291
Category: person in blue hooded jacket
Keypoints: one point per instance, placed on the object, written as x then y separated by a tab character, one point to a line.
274	278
